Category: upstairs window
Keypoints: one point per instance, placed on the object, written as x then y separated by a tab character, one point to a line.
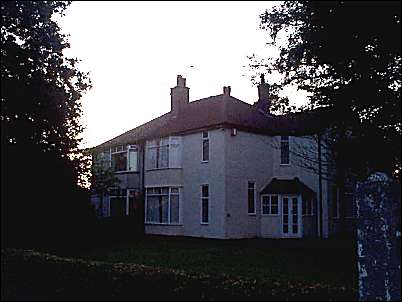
124	158
251	197
205	146
285	158
164	153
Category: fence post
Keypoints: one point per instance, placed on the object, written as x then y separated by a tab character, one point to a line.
378	239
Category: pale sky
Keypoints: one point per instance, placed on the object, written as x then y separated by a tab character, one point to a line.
135	50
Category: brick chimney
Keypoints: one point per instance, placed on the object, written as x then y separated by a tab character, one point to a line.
179	95
226	90
263	102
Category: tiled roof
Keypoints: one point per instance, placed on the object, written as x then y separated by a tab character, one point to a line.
220	110
288	186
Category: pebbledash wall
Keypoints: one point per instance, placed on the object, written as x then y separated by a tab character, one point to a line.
233	161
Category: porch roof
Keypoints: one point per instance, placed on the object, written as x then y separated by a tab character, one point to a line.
288	186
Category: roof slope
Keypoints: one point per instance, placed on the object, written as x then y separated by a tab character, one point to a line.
220	110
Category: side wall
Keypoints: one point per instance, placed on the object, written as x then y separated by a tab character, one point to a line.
248	158
253	157
303	164
190	177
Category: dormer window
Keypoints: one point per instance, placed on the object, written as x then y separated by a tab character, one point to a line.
124	158
285	153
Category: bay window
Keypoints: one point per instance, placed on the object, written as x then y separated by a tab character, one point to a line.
123	202
163	205
124	158
163	153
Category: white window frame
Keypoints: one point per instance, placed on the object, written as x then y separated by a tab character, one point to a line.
170	187
270	204
159	143
282	140
122	149
205	138
173	145
255	197
201	205
311	202
119	196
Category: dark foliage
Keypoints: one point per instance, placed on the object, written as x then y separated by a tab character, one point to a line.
41	164
347	54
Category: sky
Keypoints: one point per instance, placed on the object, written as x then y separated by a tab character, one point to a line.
135	50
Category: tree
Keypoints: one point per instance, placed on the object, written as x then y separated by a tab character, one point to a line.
40	124
102	178
347	56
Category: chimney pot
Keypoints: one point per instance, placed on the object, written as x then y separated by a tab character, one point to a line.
226	90
181	82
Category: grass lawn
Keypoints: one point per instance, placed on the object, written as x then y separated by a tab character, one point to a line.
207	269
324	261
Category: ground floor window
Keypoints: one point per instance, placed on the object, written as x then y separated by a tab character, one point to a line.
270	205
163	205
307	206
204	204
123	202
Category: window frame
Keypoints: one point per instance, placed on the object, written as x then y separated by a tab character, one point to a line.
169	187
254	188
172	145
283	140
205	139
203	198
270	204
126	196
160	144
124	149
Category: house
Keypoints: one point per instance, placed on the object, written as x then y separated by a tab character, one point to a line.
221	168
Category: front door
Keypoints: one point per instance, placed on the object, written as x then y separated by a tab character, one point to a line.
291	216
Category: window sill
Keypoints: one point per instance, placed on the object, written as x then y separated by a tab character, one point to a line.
284	165
164	224
125	172
270	215
159	169
204	223
205	161
252	214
